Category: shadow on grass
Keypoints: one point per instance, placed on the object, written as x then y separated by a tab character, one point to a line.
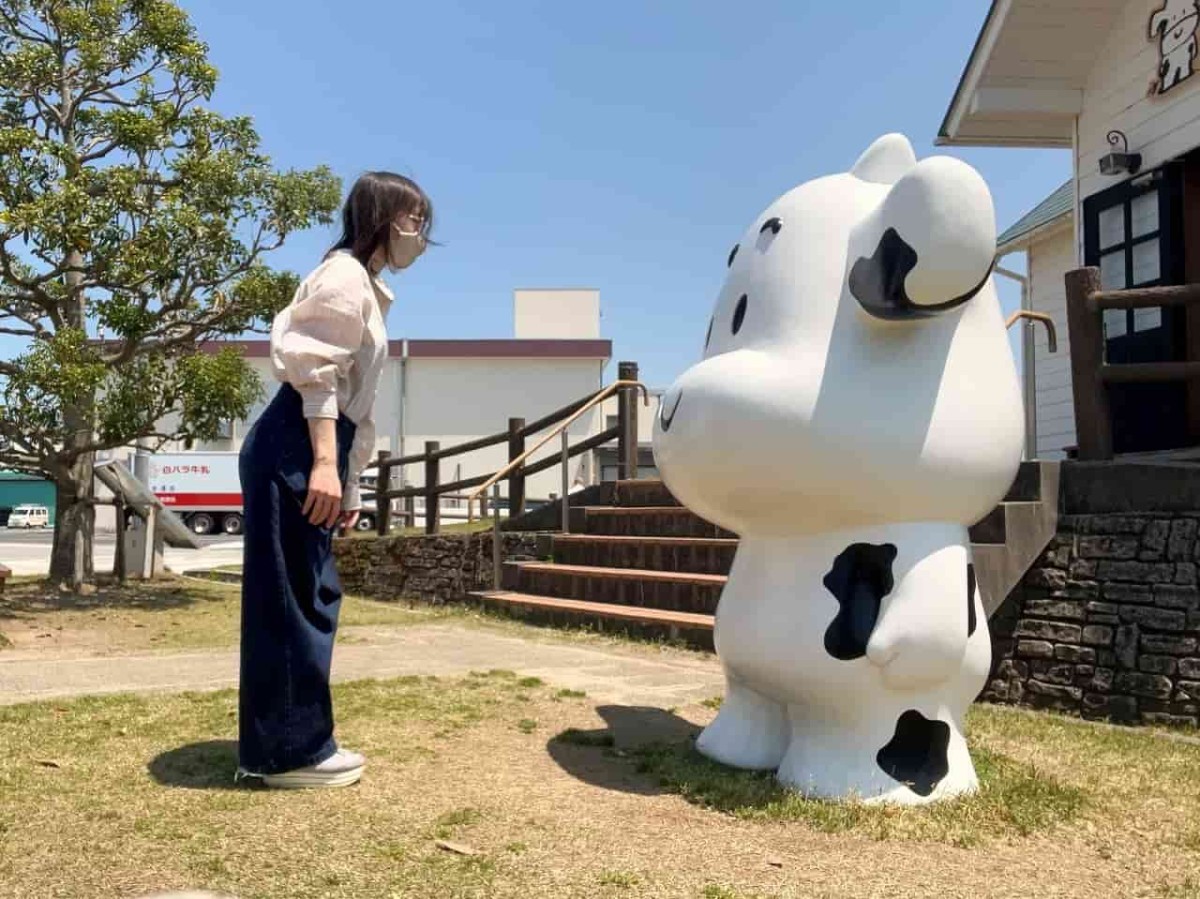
40	598
198	766
652	752
601	757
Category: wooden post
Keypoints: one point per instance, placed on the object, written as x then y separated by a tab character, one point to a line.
627	420
410	511
497	540
1093	419
433	511
516	480
120	568
146	566
566	481
383	502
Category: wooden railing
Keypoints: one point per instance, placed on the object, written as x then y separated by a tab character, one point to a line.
1091	373
518	469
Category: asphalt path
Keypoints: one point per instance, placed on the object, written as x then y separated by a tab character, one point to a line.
28	552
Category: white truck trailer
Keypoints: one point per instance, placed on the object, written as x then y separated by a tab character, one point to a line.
201	488
205	491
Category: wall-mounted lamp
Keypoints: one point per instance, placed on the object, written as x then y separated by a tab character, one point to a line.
1118	162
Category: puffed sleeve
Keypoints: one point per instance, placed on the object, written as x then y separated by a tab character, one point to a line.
315	339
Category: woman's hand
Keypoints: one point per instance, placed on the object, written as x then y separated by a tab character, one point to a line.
323	504
348	520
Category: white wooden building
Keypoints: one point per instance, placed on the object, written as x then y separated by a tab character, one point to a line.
1114	83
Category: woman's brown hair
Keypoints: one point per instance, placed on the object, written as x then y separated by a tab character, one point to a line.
375	201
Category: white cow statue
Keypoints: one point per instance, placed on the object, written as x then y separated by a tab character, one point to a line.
857	408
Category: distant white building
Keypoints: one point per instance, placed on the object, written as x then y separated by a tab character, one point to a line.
456	391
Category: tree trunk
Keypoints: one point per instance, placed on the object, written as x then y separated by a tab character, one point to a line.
74	525
75	515
75	519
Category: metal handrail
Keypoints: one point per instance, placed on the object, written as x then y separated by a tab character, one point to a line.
558	429
1051	330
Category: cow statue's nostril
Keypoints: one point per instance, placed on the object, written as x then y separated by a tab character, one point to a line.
666	412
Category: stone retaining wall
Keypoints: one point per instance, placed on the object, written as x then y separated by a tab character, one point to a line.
1107	623
434	569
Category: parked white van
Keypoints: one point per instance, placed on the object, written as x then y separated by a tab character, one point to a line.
29	517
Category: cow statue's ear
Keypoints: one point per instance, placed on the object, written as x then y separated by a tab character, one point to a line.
932	243
886	161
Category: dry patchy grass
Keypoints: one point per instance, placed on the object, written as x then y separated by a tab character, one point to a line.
166	614
175	614
551	795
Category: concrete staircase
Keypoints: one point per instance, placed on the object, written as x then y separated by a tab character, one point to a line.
645	565
1009	540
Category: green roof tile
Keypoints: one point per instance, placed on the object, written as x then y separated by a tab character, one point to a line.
1054	206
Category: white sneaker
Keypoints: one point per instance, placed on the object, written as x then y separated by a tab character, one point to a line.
342	769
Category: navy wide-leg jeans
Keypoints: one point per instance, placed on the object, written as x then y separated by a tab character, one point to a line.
290	596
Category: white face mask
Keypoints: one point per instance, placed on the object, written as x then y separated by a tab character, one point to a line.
404	247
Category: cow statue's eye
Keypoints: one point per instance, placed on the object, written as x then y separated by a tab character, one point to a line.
708	336
739	314
773	225
732	255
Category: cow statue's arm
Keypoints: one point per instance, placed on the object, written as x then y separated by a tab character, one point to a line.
924	624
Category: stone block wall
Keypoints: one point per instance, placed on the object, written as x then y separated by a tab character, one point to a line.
433	569
1107	623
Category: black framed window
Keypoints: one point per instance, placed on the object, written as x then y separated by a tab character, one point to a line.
1133	234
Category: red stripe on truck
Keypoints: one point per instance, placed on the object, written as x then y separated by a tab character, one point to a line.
192	500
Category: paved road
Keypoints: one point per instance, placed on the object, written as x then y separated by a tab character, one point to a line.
610	674
28	552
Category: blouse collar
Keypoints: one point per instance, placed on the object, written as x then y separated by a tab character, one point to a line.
383	293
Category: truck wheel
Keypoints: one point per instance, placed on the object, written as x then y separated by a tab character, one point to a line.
232	524
364	523
201	523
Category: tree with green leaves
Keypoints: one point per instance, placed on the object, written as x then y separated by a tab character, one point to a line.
131	211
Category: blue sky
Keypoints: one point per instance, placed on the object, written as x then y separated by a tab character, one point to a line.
621	145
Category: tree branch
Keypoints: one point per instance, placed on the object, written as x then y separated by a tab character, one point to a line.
18	307
112	86
38	296
173	337
20	461
16	24
42	449
91	155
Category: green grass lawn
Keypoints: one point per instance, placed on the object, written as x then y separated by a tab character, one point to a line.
494	785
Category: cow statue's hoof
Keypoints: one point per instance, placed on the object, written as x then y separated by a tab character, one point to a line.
856	409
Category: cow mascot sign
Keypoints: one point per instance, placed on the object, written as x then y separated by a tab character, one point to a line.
856	409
